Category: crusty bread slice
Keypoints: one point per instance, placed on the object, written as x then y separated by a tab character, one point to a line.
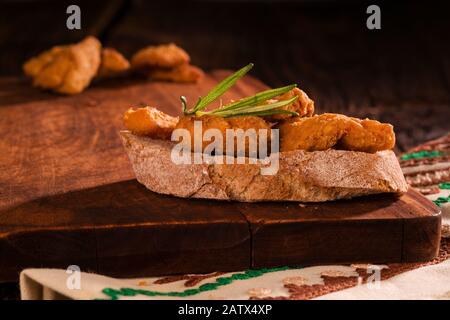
302	176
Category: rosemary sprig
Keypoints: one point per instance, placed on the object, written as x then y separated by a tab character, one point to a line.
259	97
247	110
219	90
249	106
264	113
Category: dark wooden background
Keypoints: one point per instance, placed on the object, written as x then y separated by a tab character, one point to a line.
399	74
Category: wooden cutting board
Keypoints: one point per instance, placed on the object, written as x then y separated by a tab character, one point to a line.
51	144
68	197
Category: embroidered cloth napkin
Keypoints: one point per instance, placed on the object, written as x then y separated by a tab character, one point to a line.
426	168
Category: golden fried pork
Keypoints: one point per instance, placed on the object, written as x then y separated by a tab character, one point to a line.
304	106
208	122
35	65
162	56
222	124
150	122
368	136
249	122
317	133
312	133
65	69
184	73
166	62
330	130
112	63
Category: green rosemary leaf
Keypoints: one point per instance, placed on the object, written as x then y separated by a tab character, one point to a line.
249	106
264	113
221	88
252	109
259	97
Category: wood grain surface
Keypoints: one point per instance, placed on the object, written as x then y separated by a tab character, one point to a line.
124	230
52	144
378	228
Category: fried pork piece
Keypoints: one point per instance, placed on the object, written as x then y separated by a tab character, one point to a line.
304	106
162	56
320	132
328	130
112	63
184	73
36	64
65	69
150	122
208	122
249	122
368	136
222	124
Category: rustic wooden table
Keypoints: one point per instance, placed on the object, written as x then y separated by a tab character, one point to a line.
399	74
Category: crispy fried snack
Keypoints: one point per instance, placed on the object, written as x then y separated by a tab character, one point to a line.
249	122
304	106
35	65
208	122
150	122
368	136
317	133
222	124
162	56
184	73
167	63
330	130
65	69
113	63
314	133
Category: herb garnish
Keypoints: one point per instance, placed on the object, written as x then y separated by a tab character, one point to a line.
250	106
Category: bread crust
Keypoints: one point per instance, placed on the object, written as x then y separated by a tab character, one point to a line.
302	176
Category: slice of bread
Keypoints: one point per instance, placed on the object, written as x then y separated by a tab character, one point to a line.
302	176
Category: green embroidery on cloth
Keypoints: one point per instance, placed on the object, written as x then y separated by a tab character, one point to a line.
444	185
441	200
422	154
114	294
